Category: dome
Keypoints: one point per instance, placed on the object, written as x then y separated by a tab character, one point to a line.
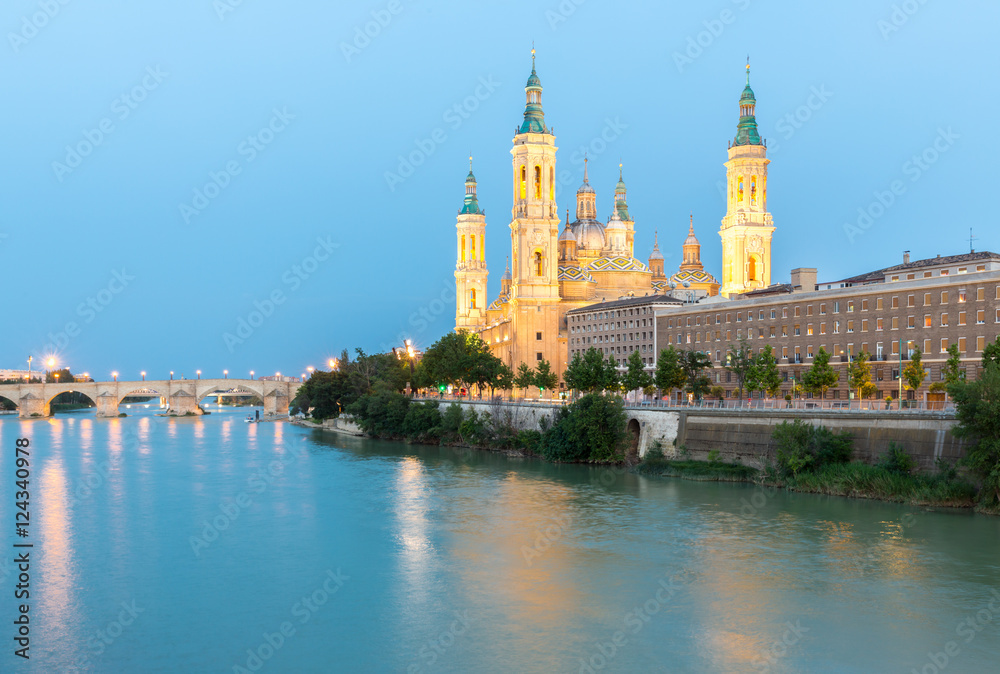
691	239
656	254
589	234
567	235
615	222
574	273
747	96
617	263
585	188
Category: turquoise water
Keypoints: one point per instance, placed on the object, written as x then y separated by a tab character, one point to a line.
176	545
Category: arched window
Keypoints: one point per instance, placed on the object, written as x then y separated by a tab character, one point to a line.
763	190
739	190
753	190
752	269
552	183
463	248
538	263
472	250
524	182
472	298
538	182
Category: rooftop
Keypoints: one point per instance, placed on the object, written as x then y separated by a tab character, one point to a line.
627	302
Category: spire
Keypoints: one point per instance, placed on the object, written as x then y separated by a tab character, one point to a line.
656	254
692	250
621	205
506	272
534	118
471	205
586	178
746	130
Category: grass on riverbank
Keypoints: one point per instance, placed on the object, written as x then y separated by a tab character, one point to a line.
853	480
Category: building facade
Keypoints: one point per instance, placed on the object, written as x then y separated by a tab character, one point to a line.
888	313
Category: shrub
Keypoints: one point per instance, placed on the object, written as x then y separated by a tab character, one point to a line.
713	456
451	421
422	421
804	447
895	460
529	440
381	414
592	429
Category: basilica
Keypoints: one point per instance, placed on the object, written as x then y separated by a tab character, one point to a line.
551	272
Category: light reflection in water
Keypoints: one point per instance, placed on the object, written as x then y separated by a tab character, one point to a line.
410	506
58	601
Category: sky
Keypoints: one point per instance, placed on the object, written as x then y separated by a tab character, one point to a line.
257	185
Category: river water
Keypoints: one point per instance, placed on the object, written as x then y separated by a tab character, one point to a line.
212	545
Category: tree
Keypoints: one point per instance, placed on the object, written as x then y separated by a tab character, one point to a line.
991	354
525	377
590	372
609	377
694	364
739	361
63	375
859	373
669	373
764	374
978	415
575	375
820	377
544	377
636	376
914	372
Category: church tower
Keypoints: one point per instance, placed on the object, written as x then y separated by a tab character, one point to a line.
747	226
656	259
534	231
470	268
621	206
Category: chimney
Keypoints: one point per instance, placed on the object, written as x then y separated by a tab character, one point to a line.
906	257
803	280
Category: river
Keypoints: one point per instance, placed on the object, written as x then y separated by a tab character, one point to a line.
212	545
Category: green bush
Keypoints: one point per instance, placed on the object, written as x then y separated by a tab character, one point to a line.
895	460
381	414
804	447
591	430
451	421
423	422
474	429
713	456
529	440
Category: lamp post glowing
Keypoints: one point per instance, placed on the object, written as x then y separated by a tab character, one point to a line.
51	363
310	370
198	372
114	375
29	369
171	375
251	375
143	373
225	374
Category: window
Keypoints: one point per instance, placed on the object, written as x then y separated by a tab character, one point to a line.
944	320
944	344
784	328
927	299
980	294
864	305
822	310
809	330
962	345
980	317
538	263
797	330
538	356
878	304
911	322
524	182
927	346
850	326
944	272
850	307
822	328
836	307
472	298
961	318
798	311
538	336
895	322
879	324
895	302
980	343
961	295
928	321
911	301
772	331
774	314
784	310
538	182
944	297
864	325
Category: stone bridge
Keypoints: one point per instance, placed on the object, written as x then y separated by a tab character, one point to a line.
183	396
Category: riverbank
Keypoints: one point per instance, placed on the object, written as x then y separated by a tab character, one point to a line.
851	480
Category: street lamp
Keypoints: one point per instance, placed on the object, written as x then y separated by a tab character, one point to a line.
115	375
251	375
171	375
51	363
29	368
198	372
143	373
310	370
225	374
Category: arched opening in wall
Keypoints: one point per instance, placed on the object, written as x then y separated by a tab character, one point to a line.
634	431
7	406
538	263
524	182
739	190
472	299
753	190
472	250
463	248
753	269
538	183
71	401
552	183
231	398
143	399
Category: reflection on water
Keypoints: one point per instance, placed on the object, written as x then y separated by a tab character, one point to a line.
488	563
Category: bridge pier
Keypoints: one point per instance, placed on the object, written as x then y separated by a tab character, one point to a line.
276	402
107	405
183	403
31	406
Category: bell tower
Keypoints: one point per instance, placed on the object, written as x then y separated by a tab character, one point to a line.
747	226
470	267
534	231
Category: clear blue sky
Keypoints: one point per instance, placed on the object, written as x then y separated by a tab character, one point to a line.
343	116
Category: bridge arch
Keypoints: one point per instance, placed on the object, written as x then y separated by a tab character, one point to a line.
51	397
10	398
634	435
254	388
